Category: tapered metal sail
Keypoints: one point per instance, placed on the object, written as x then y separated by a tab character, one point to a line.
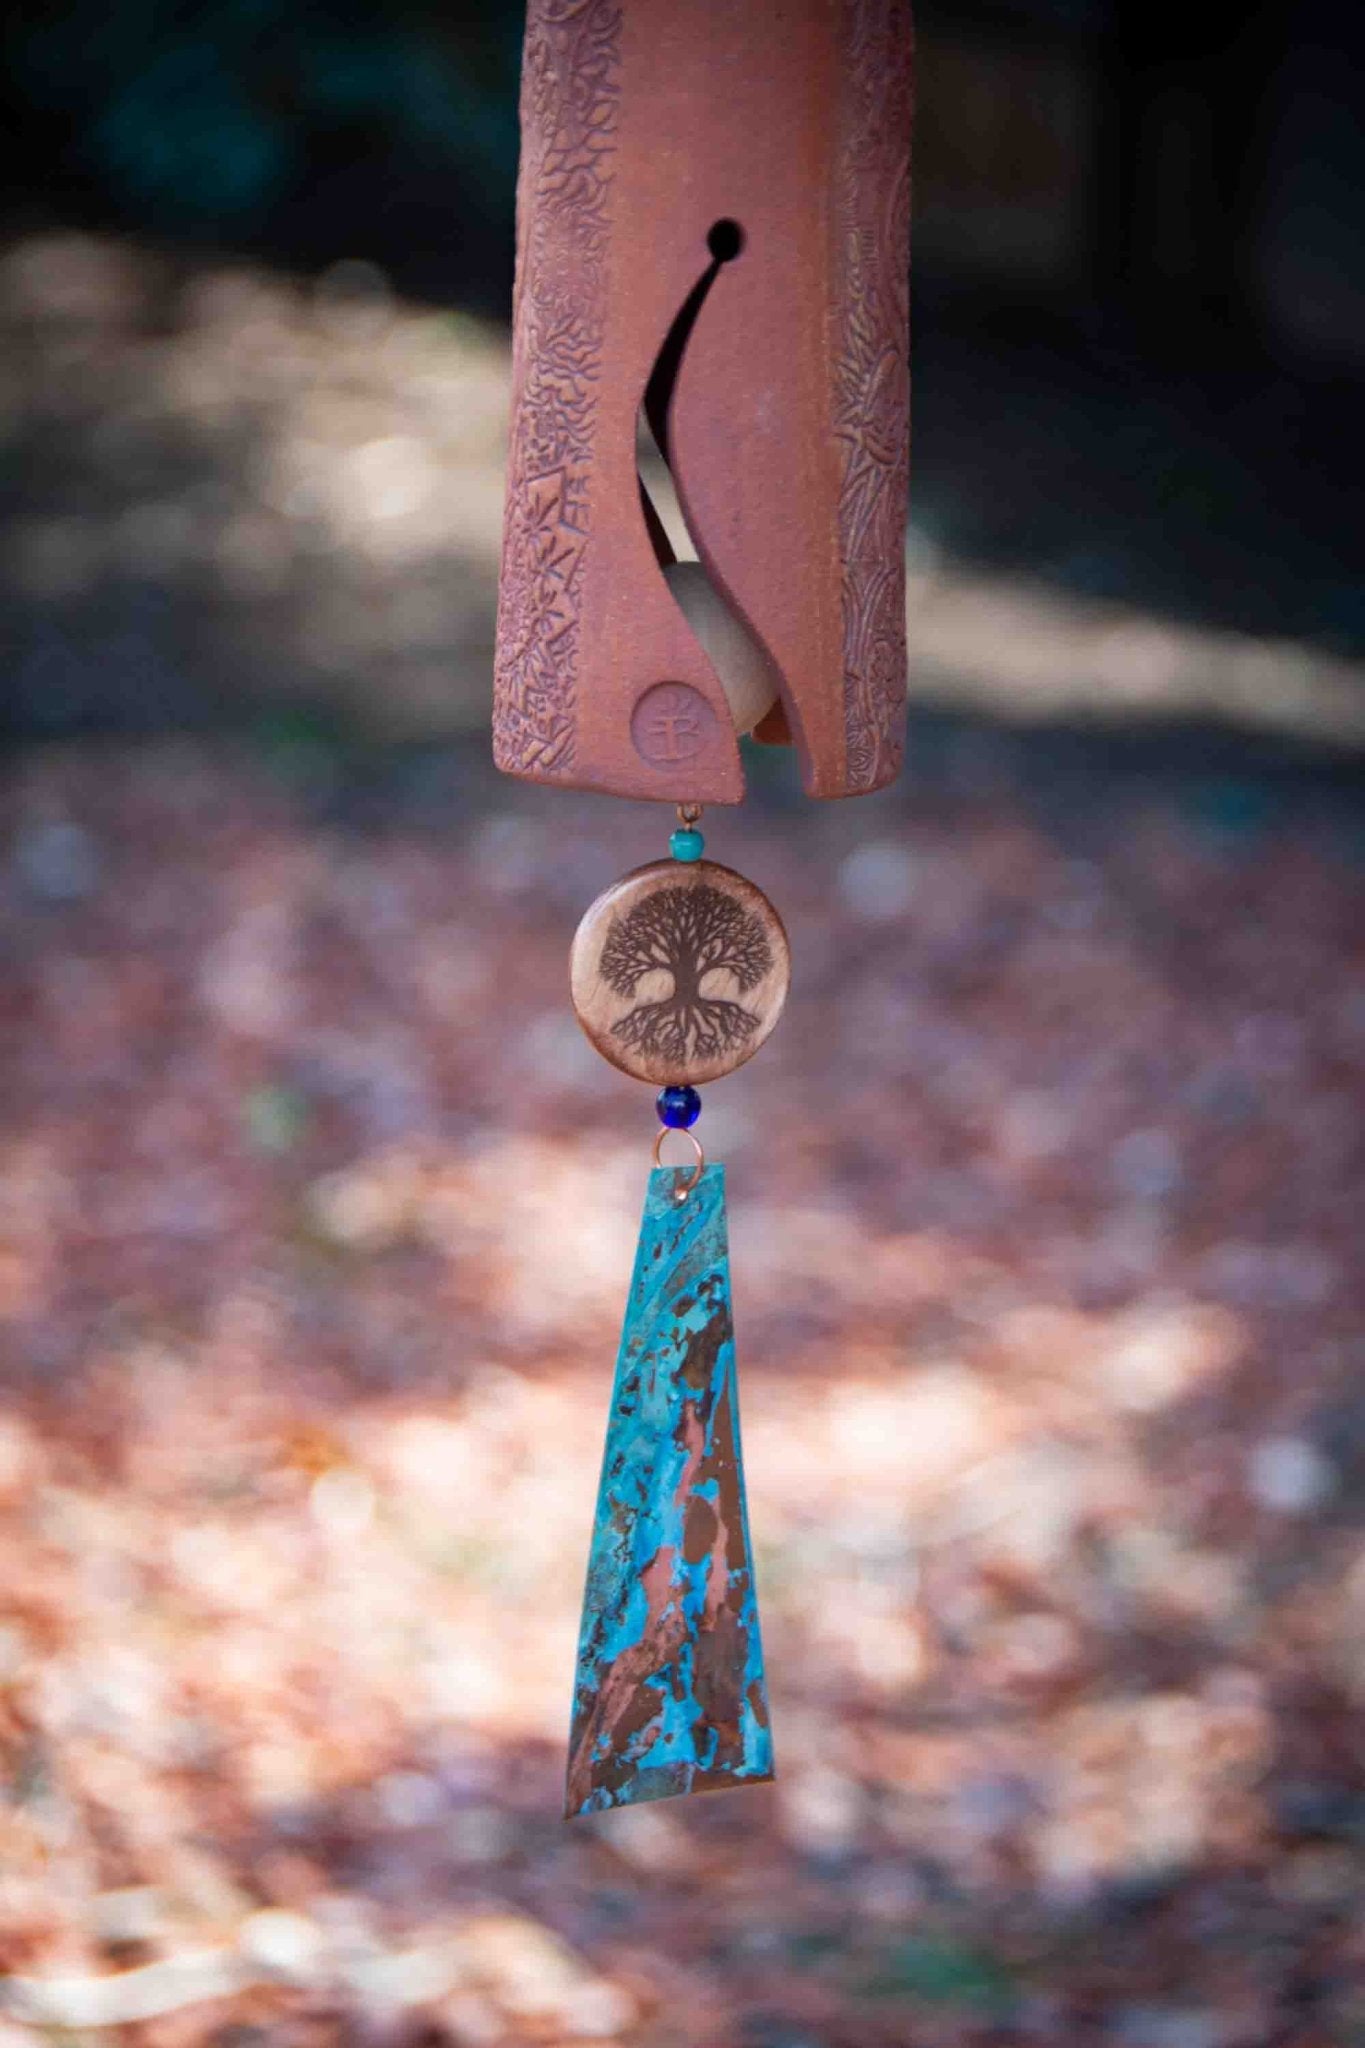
670	1695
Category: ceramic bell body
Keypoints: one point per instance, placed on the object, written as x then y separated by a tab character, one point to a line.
713	215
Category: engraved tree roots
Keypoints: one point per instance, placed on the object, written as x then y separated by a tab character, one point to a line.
689	933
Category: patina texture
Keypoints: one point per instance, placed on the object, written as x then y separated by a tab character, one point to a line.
713	217
670	1694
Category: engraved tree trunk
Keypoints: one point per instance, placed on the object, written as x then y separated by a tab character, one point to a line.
701	939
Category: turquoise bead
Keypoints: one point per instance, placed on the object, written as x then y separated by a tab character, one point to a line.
687	843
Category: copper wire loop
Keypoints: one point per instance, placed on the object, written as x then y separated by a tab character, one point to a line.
689	814
681	1193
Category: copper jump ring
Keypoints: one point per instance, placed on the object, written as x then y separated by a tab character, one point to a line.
689	815
684	1189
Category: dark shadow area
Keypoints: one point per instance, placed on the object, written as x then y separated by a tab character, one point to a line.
1216	488
297	137
1140	319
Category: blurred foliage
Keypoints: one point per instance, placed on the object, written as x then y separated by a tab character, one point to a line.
212	119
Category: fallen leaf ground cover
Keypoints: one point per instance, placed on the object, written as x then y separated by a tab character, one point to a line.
316	1215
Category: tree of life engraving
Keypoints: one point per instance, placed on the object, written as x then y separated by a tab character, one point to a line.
689	933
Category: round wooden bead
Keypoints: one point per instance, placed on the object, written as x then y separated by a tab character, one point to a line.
679	972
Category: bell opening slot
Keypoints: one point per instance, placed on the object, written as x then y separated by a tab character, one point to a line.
741	664
664	518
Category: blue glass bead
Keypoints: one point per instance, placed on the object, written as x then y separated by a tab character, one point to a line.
679	1108
687	843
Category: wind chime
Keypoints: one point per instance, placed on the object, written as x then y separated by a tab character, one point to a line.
712	249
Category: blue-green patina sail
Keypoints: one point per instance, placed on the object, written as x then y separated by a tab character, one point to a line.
670	1695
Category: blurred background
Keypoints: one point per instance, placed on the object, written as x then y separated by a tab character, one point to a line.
316	1212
